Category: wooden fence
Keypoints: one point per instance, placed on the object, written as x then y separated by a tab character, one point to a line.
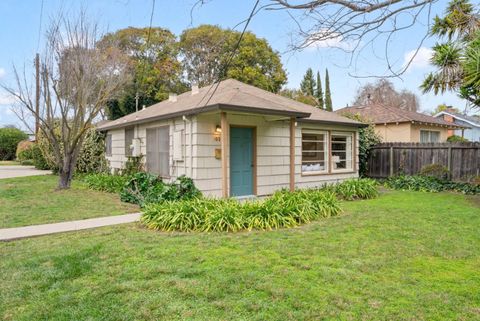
389	159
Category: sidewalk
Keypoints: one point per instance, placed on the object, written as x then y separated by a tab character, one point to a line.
8	234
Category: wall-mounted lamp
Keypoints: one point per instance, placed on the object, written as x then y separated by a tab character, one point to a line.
218	131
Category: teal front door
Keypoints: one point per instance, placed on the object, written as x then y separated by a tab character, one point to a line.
241	161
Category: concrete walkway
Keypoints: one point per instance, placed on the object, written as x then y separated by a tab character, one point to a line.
11	171
8	234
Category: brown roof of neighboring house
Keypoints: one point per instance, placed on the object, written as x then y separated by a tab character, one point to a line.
231	95
381	114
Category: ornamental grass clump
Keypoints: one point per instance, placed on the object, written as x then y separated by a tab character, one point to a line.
430	184
354	189
106	182
283	209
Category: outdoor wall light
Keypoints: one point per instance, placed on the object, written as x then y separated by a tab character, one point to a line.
218	131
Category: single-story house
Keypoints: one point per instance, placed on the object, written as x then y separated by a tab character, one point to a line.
397	125
471	123
234	139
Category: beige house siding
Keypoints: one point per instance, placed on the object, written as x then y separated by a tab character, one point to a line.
415	132
400	132
407	132
199	162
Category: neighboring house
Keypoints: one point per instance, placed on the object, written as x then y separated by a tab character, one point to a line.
237	140
471	123
398	125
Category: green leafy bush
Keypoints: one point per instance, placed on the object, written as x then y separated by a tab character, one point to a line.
353	189
9	139
430	184
457	139
435	170
38	158
143	188
283	209
23	151
106	182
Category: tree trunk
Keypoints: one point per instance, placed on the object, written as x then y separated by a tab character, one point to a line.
66	172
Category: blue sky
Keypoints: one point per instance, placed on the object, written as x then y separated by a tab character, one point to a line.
19	37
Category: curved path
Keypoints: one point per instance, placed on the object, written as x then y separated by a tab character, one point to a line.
11	171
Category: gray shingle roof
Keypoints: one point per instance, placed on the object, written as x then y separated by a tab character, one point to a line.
381	114
474	120
231	95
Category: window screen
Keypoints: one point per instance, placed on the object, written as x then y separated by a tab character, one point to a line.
158	151
429	136
129	134
108	145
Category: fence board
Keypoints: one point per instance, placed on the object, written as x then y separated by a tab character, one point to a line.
463	159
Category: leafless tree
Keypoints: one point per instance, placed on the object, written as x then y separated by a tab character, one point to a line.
353	25
76	81
383	92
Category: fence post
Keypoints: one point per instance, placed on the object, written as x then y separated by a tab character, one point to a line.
391	161
449	163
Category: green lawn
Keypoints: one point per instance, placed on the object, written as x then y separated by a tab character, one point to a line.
9	163
403	256
34	200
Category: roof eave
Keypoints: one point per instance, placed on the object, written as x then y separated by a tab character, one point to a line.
331	122
224	107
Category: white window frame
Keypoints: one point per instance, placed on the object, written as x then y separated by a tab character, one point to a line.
348	158
326	147
429	131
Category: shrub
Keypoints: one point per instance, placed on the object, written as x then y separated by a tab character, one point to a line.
367	138
435	170
23	151
91	158
283	209
353	189
38	158
106	182
430	184
457	139
9	139
143	188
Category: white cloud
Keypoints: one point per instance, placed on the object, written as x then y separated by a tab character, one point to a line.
421	59
6	99
2	72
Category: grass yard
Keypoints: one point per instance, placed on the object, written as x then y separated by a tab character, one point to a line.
34	200
403	256
9	163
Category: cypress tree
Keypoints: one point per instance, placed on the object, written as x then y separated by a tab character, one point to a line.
307	86
328	95
319	92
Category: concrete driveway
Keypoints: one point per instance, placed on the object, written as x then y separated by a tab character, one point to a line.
20	171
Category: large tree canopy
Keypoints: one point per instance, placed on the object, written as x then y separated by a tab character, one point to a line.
458	58
206	49
383	92
155	69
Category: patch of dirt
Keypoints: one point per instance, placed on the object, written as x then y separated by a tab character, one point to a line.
474	199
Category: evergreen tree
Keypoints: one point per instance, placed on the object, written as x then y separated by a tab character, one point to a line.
328	95
307	86
319	92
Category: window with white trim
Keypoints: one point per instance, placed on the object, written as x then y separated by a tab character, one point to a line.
429	136
314	152
342	151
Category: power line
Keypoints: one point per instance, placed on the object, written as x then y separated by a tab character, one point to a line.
40	26
229	61
146	48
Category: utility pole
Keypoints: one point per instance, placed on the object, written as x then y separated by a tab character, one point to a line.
136	101
37	94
